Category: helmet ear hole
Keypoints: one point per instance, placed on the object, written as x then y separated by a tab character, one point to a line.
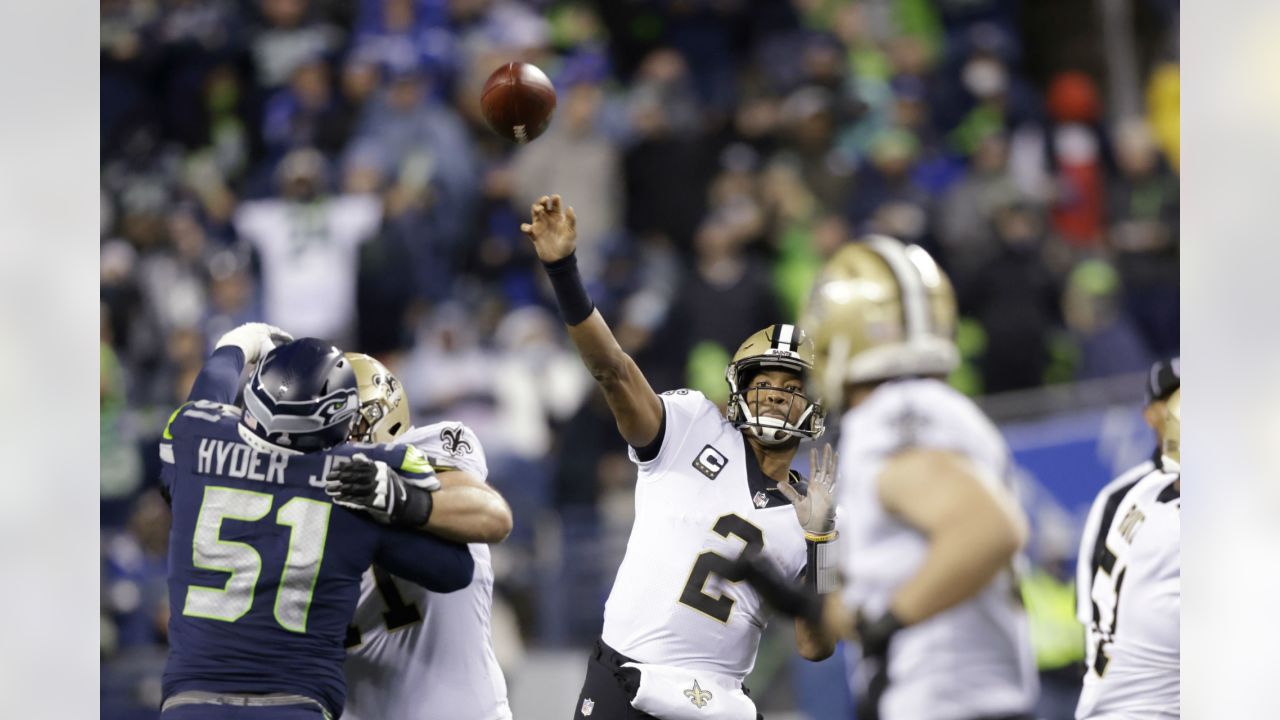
394	429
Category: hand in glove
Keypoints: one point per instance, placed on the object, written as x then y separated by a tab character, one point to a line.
816	510
255	339
373	486
786	597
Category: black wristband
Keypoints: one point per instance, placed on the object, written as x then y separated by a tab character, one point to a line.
571	295
418	505
875	635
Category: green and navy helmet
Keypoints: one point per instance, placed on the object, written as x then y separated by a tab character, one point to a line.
302	397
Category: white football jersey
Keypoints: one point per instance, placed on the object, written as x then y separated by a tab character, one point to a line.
422	655
699	505
1134	643
1104	506
308	255
974	659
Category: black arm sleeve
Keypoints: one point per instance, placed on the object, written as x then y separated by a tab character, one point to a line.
650	451
219	379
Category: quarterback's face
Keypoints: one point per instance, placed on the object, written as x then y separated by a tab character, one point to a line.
777	393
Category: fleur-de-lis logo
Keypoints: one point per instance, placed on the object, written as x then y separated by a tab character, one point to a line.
697	695
454	443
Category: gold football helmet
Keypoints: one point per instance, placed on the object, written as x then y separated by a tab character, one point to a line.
1170	445
777	346
384	412
879	310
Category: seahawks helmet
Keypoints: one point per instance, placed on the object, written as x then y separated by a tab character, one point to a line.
1171	442
302	397
384	412
879	310
783	347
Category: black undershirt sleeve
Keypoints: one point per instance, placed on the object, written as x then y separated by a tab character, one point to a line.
650	451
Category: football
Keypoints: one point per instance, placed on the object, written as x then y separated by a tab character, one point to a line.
517	101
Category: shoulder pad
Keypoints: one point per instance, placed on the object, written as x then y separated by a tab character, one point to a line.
205	410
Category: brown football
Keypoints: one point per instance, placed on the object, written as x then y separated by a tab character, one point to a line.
517	101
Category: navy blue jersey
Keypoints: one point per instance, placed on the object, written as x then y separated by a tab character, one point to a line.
264	571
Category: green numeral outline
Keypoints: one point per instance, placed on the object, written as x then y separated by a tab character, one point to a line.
253	506
299	570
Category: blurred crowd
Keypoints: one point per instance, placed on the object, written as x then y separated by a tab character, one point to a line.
322	165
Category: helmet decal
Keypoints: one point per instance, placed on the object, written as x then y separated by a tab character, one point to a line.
302	396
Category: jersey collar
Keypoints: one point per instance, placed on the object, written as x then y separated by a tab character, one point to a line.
763	489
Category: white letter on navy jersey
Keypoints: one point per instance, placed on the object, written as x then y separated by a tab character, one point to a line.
331	463
276	463
239	461
255	459
224	449
205	463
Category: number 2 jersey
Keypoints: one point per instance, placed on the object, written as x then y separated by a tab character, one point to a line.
971	660
264	571
1132	599
700	503
419	655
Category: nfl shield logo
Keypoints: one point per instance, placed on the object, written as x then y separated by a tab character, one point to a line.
587	706
761	499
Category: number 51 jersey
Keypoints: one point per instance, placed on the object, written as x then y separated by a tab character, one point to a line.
264	571
700	503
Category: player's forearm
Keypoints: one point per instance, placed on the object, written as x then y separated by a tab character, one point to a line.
219	379
599	349
433	563
470	514
812	641
636	408
963	557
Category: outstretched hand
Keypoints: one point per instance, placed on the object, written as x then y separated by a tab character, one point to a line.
816	510
552	227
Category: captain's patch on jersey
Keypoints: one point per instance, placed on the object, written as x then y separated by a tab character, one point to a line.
710	462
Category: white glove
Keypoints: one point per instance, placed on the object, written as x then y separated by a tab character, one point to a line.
255	339
816	510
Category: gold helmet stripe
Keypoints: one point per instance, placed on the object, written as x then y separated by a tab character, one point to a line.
915	299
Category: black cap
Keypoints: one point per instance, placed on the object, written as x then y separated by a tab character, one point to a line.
1164	377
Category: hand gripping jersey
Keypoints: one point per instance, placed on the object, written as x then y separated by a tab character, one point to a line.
264	571
974	659
700	503
1134	600
418	655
